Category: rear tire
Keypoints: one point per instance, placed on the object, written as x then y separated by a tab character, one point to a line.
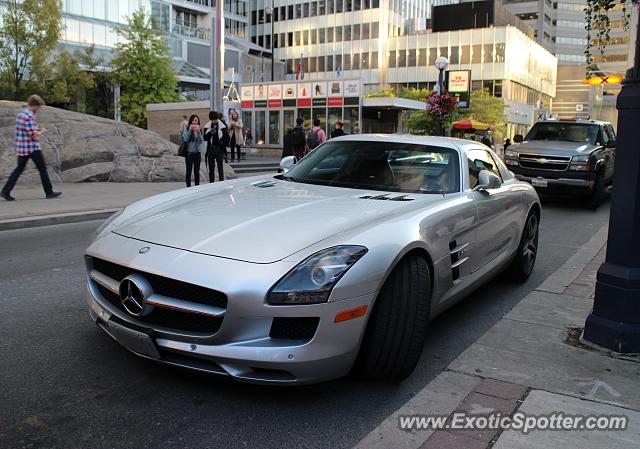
397	328
599	191
522	264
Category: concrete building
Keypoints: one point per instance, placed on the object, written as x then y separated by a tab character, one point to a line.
187	25
387	43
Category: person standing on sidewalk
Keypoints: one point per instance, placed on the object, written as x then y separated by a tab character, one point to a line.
316	136
299	140
235	129
28	147
217	139
192	136
338	131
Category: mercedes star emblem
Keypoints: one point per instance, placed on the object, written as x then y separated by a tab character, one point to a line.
134	292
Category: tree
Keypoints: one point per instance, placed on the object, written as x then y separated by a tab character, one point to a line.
485	108
143	68
63	80
30	31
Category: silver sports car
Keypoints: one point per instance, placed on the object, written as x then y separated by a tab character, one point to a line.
335	266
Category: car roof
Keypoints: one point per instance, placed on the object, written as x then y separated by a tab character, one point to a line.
447	142
578	121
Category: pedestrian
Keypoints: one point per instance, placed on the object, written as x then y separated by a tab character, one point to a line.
507	144
28	147
184	124
287	149
193	137
226	130
235	130
338	131
316	136
217	139
486	141
299	141
248	138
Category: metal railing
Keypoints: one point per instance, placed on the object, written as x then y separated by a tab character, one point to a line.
191	31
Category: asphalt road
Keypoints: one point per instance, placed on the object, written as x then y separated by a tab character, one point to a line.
65	384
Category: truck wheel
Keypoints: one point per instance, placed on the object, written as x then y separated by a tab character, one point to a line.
397	328
599	191
522	264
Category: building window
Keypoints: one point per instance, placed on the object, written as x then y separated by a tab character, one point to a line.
402	58
373	62
346	62
356	32
375	33
476	54
347	33
422	57
355	61
330	34
454	57
411	62
364	59
392	59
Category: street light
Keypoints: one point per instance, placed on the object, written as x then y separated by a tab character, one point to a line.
441	64
614	321
269	12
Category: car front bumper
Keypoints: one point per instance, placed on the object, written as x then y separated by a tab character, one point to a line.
558	182
242	347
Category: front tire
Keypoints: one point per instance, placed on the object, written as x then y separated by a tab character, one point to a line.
522	265
599	191
397	328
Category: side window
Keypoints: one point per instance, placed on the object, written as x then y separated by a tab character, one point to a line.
480	160
611	132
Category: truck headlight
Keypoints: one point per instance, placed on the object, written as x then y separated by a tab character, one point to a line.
311	281
580	163
510	153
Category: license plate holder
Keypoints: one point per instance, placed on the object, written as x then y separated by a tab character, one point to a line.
539	182
136	341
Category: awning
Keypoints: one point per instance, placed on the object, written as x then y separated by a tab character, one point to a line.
471	124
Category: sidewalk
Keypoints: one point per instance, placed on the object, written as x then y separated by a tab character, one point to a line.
533	362
79	202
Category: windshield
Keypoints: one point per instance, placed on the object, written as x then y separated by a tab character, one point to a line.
569	132
396	167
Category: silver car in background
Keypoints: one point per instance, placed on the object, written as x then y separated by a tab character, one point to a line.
335	266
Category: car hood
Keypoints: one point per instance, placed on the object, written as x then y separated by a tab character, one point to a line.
553	147
261	223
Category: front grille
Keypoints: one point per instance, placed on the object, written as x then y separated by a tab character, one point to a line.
294	328
165	286
170	319
542	162
167	318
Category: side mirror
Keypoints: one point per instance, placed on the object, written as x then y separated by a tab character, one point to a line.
611	143
518	138
287	163
487	181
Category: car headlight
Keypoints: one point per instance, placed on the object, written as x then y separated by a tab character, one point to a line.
106	223
581	158
311	281
510	153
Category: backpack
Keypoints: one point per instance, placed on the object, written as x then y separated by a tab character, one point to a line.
298	138
312	139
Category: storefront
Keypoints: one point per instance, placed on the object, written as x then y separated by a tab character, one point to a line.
269	109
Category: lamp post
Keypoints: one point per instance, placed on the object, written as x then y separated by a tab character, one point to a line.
615	319
269	12
441	64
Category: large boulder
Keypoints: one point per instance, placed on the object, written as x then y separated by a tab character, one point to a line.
84	148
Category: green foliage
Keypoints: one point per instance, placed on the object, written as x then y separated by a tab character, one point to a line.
485	108
64	81
30	31
143	69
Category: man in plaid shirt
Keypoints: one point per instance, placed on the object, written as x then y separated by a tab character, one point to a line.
28	147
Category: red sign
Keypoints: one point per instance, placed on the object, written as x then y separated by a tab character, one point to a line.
247	105
304	102
274	103
335	101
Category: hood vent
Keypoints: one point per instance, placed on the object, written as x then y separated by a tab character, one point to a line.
264	184
387	197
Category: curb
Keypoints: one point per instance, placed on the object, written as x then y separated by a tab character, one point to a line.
54	219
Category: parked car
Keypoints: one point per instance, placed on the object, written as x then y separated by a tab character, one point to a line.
337	265
566	156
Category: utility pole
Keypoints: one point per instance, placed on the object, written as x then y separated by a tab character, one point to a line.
614	321
217	58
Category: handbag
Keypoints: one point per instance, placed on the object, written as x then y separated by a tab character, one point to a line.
182	149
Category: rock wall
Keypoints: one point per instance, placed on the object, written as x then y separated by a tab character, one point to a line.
84	148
